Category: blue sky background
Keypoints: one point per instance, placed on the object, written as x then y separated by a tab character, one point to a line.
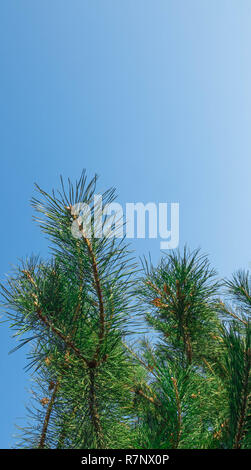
154	96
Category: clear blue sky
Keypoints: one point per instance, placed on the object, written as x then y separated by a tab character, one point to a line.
153	95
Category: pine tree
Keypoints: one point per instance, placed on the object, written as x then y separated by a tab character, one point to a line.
236	361
75	309
186	385
199	370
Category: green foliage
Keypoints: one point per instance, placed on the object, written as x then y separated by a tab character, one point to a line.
237	364
189	387
181	295
76	310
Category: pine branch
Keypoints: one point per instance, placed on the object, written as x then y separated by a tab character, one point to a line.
97	284
93	407
225	310
48	415
178	410
51	327
244	403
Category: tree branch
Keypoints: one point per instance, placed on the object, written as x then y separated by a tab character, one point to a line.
241	421
178	410
47	416
93	408
97	285
45	320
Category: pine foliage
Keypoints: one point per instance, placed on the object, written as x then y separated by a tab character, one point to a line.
186	387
